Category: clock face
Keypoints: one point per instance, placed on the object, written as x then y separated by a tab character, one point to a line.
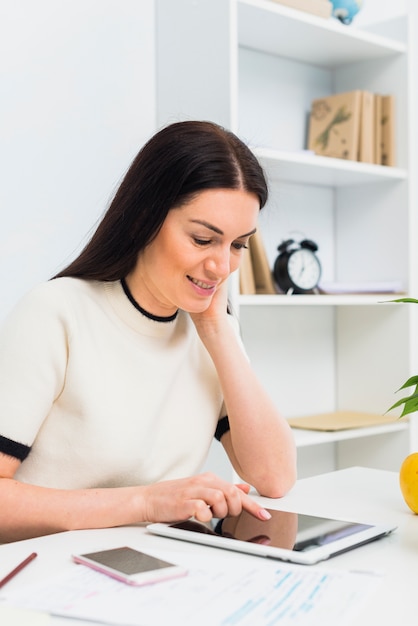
304	269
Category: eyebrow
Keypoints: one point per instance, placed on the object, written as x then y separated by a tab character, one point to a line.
219	231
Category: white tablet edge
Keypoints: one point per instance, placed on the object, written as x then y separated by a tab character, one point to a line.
312	556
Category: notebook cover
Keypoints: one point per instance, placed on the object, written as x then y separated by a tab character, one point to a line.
340	420
334	125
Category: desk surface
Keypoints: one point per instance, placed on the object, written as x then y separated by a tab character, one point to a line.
356	494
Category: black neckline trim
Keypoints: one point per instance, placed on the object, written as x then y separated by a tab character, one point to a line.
155	318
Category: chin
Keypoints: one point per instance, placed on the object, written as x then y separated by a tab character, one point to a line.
196	308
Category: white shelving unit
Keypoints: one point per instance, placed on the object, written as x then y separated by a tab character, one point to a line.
306	169
255	66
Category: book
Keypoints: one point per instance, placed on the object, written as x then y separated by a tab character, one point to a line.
378	129
362	287
263	276
246	275
367	128
322	8
388	130
334	125
340	420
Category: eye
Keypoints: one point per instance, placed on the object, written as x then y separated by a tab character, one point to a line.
239	246
201	242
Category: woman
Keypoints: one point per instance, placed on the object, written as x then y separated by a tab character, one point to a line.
116	374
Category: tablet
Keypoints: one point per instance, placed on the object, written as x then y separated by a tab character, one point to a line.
287	536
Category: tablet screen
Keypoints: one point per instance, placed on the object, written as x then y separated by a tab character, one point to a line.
292	531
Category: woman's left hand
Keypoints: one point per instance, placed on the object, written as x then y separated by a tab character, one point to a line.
215	313
260	443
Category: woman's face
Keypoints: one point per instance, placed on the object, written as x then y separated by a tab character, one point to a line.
196	249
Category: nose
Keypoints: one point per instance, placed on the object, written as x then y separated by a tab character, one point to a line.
219	263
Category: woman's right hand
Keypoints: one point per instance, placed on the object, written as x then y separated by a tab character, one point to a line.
201	497
30	511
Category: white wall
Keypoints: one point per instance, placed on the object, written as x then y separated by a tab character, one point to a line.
379	10
77	100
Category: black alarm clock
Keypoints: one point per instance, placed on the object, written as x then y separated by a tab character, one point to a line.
297	269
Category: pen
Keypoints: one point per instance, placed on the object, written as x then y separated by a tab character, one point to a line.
17	569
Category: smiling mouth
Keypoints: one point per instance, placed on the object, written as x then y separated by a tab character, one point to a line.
200	283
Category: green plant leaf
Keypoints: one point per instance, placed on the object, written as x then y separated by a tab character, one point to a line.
410	402
410	405
410	382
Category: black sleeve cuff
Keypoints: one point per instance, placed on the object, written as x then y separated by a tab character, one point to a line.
222	427
14	448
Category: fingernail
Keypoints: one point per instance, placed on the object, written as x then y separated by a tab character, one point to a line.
264	514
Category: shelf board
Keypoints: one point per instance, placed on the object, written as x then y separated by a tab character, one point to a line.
305	438
276	29
304	167
316	300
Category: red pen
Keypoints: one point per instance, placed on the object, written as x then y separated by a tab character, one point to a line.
17	569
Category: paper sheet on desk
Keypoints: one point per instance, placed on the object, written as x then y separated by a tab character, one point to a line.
216	592
10	616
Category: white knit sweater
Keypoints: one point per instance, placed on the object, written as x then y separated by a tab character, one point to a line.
104	395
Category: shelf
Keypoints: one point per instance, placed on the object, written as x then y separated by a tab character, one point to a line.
316	300
265	65
269	27
304	438
306	168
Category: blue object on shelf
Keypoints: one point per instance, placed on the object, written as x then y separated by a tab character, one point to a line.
345	10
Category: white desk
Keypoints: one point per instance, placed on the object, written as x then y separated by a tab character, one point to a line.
356	494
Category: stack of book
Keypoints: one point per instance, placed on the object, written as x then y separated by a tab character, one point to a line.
357	125
255	274
322	8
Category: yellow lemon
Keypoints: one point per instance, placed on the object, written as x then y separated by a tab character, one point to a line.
408	480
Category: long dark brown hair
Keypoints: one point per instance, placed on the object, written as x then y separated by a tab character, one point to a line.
177	163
